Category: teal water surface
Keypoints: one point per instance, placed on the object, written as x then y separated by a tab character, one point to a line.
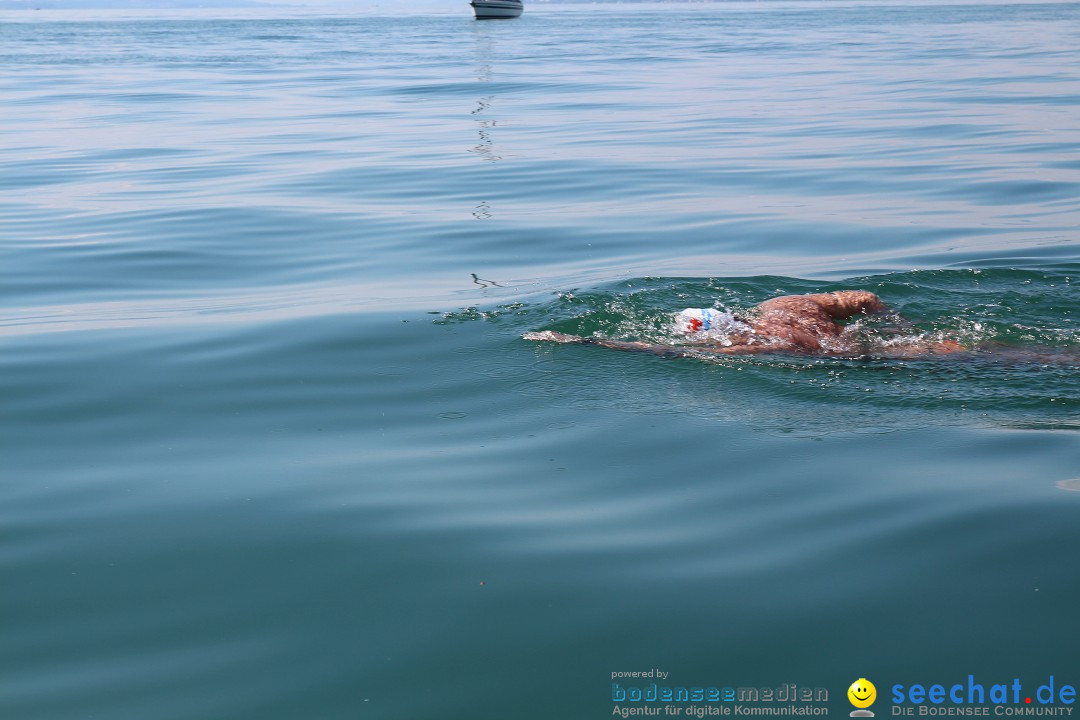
274	447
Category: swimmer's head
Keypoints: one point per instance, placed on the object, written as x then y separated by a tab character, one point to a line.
689	321
694	321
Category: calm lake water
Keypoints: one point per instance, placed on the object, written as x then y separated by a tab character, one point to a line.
273	446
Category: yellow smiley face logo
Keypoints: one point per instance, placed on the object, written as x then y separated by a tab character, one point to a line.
862	693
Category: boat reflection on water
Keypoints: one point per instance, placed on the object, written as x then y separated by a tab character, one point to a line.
485	123
497	9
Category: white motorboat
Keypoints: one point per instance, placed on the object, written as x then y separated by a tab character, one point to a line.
496	9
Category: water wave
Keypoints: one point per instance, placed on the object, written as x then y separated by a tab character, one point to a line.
1020	369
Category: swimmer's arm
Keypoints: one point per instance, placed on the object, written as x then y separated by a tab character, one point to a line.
551	336
661	350
845	303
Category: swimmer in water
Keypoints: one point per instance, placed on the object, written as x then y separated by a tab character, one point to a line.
801	324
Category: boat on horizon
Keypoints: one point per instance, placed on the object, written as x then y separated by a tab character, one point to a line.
497	9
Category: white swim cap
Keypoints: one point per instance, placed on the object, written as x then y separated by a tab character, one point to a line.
706	321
